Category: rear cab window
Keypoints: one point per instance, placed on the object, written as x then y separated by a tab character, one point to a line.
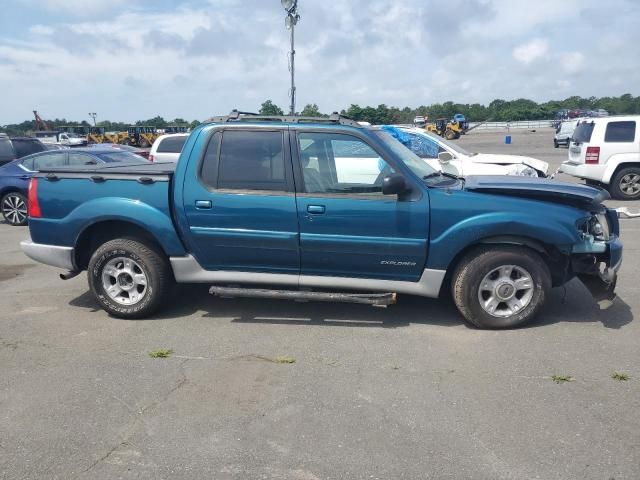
623	132
172	144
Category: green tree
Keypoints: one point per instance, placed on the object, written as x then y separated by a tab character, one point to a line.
194	124
311	110
270	108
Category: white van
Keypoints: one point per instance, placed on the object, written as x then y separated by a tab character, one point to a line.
564	133
606	151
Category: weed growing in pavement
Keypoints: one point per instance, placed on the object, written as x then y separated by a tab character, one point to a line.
621	377
284	359
161	353
562	378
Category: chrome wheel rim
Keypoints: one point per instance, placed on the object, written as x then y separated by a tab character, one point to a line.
124	281
14	209
630	184
505	291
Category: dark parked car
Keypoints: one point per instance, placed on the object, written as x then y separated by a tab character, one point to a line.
15	175
18	147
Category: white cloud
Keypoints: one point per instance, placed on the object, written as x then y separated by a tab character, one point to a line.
198	59
531	51
572	62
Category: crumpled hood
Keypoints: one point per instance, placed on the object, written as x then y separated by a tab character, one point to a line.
580	196
539	165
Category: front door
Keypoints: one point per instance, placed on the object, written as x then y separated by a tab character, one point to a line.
242	210
348	227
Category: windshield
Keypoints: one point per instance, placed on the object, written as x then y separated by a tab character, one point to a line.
418	166
583	133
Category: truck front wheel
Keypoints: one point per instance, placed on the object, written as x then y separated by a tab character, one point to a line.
501	286
130	278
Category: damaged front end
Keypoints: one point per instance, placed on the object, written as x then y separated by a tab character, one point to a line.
596	259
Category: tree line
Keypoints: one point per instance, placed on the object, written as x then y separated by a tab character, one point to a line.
498	110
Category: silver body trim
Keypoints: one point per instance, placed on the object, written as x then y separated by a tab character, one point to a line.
54	255
188	270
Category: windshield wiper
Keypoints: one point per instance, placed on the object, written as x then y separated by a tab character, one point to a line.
442	174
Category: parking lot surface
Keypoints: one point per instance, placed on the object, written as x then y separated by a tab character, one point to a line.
404	392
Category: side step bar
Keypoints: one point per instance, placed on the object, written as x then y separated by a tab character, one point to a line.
375	299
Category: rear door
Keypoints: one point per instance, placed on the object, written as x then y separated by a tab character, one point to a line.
241	209
6	151
581	139
348	228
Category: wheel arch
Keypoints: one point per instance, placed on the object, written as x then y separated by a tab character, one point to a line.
556	261
100	232
615	166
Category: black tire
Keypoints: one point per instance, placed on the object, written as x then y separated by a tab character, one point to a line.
480	262
14	209
617	186
151	263
449	134
555	144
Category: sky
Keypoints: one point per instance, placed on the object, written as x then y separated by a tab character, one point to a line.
135	59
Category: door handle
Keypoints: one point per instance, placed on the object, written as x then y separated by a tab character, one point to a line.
25	177
203	204
316	209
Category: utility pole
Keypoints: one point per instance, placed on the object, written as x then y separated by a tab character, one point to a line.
291	7
93	115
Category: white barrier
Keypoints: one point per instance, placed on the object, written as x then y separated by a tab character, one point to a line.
525	124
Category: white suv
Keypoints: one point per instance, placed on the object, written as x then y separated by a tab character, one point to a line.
167	147
606	151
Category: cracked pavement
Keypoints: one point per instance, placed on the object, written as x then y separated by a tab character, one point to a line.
406	392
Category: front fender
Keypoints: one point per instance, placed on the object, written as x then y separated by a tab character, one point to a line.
66	231
463	219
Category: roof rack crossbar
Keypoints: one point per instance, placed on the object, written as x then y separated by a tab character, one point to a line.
238	116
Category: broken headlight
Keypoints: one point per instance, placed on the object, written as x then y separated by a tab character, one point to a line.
598	226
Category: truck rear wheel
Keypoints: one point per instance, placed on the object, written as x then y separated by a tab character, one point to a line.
130	278
501	286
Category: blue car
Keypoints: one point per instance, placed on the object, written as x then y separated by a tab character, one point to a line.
15	175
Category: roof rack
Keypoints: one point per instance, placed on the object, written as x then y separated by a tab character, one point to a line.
237	116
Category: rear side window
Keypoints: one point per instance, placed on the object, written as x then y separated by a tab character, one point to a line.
620	132
171	145
582	133
49	160
248	160
6	151
27	147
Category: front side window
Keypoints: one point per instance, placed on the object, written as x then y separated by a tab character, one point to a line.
620	132
338	163
78	159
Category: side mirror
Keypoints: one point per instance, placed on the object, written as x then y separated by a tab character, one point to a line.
394	184
445	157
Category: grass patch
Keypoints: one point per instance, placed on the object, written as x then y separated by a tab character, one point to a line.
284	359
161	353
621	377
562	378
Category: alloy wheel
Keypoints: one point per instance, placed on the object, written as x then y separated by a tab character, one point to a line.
505	291
14	209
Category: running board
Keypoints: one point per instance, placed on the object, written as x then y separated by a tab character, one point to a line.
375	299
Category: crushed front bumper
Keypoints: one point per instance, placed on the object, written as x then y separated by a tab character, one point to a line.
598	271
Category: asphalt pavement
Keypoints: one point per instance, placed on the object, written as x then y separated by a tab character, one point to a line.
407	392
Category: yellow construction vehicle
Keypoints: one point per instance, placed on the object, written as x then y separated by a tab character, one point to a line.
140	136
447	129
115	137
96	135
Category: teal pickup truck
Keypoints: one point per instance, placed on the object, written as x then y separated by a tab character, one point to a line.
319	209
